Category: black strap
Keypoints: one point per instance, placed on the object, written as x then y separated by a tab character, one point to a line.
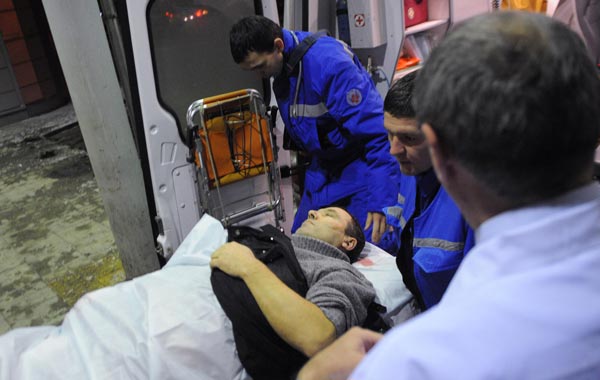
299	51
404	259
375	320
263	353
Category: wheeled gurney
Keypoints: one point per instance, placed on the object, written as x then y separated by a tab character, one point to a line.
165	325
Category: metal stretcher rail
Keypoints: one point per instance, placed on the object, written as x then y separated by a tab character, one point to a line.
233	143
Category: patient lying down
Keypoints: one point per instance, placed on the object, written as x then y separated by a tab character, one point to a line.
169	325
337	298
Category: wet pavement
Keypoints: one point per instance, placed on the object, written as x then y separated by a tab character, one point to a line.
55	239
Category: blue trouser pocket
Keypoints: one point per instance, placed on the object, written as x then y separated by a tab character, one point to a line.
434	268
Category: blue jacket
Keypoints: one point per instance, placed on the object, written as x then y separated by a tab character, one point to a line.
337	119
441	238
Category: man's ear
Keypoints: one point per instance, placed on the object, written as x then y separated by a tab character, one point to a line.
279	45
349	243
438	158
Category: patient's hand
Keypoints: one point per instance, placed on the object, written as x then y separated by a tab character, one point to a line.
234	259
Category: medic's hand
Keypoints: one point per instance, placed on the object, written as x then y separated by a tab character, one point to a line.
379	225
340	358
234	259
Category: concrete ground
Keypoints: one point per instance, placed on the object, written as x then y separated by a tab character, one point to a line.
55	239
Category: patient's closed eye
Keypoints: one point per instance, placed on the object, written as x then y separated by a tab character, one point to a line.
331	214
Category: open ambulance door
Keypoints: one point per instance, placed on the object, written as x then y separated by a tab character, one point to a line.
180	54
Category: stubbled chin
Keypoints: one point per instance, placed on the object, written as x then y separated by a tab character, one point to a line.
301	231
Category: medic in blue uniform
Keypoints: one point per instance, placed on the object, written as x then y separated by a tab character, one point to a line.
430	235
333	113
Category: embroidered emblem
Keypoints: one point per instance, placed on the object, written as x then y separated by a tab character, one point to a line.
353	97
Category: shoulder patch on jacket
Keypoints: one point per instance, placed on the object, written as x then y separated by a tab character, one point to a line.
353	97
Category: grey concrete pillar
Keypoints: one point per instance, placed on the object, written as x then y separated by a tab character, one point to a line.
90	74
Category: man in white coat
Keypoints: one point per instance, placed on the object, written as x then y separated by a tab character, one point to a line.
510	106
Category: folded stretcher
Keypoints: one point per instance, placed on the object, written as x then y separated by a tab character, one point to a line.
233	144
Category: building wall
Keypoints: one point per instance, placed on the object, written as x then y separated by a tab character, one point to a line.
32	54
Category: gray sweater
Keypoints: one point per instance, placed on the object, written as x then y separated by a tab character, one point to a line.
334	285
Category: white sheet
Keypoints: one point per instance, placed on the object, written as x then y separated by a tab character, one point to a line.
380	268
164	325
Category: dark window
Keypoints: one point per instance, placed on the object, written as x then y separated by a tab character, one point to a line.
190	50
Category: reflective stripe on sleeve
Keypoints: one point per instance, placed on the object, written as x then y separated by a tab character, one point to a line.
438	243
308	110
401	198
396	212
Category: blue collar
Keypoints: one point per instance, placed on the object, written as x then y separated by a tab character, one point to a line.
288	42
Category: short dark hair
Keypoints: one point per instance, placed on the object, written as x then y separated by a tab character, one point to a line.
354	229
514	97
253	33
398	100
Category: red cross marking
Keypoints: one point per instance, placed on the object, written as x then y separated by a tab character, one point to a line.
359	20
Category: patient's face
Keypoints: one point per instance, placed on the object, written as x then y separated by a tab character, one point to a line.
326	224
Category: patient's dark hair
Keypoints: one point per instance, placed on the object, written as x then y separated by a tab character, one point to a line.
354	230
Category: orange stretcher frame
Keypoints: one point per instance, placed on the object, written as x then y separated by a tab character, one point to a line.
245	134
233	142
